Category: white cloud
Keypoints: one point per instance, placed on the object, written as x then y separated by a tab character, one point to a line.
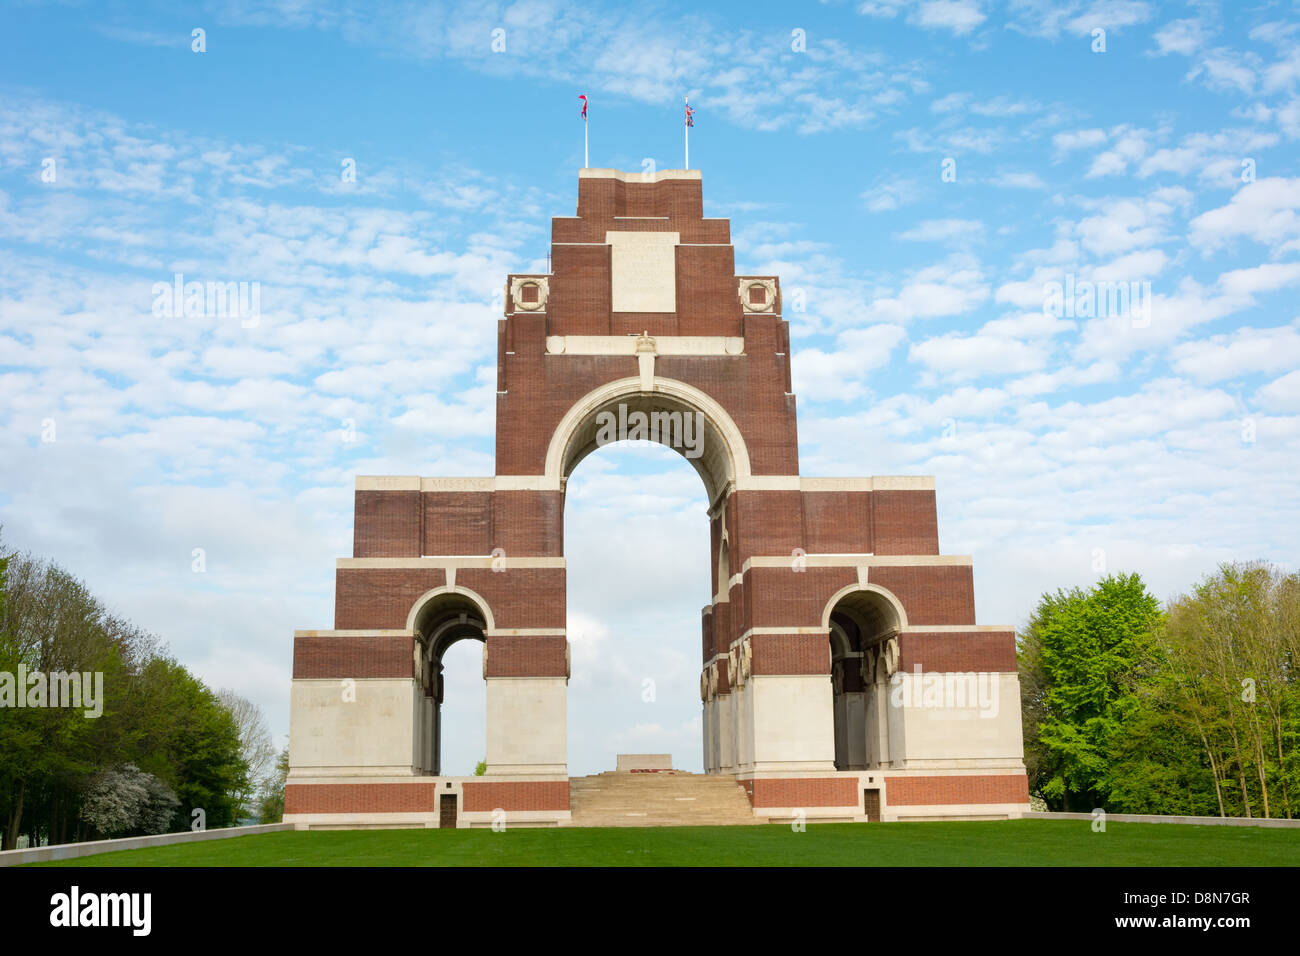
1129	146
1018	180
1078	139
942	230
1181	36
959	17
1225	71
1266	211
973	356
1123	225
1243	351
942	290
841	373
1282	394
1108	15
885	196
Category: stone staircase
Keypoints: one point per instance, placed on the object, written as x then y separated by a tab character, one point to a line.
669	798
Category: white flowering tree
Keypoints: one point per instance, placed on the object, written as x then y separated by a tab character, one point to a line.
126	799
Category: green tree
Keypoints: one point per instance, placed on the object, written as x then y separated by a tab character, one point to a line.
255	749
1232	646
271	806
195	748
153	715
1087	654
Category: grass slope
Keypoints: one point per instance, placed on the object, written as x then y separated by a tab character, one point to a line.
1008	843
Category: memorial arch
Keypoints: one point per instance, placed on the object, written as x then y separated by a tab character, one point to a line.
827	594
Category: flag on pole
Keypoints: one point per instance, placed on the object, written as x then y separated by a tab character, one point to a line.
586	151
686	131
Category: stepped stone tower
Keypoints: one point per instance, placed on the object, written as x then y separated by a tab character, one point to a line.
842	674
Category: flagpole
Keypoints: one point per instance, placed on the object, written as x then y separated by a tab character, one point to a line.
586	152
688	136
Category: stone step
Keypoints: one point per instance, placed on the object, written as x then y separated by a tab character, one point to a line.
675	798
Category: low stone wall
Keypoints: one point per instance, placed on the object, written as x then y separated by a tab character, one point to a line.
632	762
1162	818
66	851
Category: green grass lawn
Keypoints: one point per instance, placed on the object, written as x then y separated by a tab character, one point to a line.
1007	843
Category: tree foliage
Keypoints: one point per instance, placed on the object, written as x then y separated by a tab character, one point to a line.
270	807
255	749
1193	709
65	776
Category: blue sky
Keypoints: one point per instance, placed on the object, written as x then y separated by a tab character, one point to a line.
1162	441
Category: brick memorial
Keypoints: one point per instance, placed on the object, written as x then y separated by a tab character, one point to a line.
842	674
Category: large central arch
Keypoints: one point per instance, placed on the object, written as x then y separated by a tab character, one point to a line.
692	424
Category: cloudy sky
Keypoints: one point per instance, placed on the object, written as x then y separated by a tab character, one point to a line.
922	176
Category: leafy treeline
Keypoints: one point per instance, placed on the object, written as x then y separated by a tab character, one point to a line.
164	746
1193	708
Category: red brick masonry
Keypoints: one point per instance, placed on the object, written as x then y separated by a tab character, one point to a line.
526	656
422	797
978	651
525	795
361	797
804	792
957	789
791	654
355	657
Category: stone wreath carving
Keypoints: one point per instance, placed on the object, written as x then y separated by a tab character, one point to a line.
769	298
889	656
517	286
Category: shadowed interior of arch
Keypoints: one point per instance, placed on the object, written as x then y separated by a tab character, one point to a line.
864	625
661	419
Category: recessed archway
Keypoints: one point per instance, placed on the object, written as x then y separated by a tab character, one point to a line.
440	619
863	622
